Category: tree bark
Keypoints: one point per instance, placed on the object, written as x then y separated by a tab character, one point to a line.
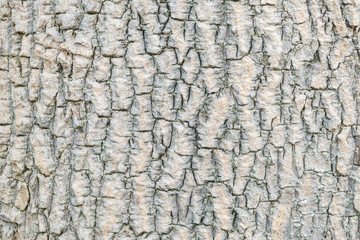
179	119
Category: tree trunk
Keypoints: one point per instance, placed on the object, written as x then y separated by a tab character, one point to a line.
179	119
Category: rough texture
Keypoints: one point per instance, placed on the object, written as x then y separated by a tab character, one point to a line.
179	119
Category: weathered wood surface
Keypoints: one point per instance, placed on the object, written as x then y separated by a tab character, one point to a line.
201	119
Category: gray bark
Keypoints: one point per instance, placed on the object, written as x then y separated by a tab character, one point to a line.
179	119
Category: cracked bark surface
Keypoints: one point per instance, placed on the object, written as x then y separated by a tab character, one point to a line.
179	119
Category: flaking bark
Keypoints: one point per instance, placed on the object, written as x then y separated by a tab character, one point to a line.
179	119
